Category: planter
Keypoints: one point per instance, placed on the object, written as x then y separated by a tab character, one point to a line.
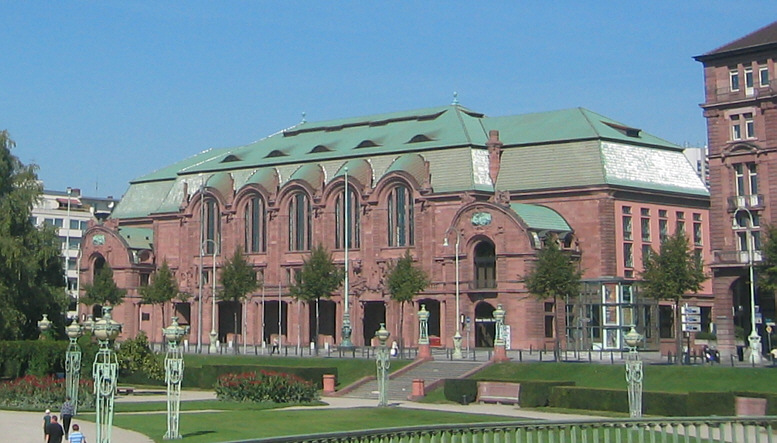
750	406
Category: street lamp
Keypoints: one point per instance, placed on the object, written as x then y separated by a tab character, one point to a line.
634	374
382	361
73	362
105	371
212	348
346	343
457	336
173	376
754	339
44	325
67	244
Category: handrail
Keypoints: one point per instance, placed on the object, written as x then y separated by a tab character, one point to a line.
694	429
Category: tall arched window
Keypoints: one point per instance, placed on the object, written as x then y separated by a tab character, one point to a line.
299	222
485	265
400	217
255	230
211	227
353	222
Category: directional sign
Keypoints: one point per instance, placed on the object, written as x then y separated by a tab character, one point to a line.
691	327
695	310
691	318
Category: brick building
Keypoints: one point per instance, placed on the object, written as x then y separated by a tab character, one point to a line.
740	99
421	180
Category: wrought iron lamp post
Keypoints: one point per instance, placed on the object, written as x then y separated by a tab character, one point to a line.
173	376
754	340
382	360
73	363
212	348
423	326
346	342
457	336
105	372
634	373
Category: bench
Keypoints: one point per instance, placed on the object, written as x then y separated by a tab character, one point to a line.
125	390
499	392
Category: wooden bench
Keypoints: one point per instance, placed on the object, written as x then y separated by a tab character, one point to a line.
125	390
499	392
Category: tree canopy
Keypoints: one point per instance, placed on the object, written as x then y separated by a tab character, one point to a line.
32	279
238	278
671	273
767	269
404	282
103	290
162	289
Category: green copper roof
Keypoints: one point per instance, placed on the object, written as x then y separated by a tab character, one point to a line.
540	218
138	238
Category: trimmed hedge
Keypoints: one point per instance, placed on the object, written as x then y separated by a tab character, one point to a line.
571	397
206	376
460	390
702	404
536	394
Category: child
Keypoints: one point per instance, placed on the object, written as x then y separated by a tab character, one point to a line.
76	436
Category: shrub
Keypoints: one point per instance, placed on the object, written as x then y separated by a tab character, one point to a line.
536	393
33	392
460	390
265	386
135	356
207	376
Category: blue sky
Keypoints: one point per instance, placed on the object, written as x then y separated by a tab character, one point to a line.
99	93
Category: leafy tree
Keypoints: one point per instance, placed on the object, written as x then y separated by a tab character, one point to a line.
32	278
238	279
135	356
767	269
404	281
163	288
318	278
671	273
103	290
556	274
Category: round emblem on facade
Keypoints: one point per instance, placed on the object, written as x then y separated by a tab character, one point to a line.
481	219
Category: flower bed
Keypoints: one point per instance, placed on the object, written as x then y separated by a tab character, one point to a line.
265	386
32	392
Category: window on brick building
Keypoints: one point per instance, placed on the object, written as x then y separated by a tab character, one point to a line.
255	229
746	178
763	74
736	128
663	231
299	222
733	76
666	321
400	217
353	222
627	231
628	255
485	265
212	227
749	81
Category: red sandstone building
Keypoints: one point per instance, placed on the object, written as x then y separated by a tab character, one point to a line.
741	112
495	185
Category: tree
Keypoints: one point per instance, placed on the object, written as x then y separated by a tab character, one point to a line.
103	290
163	288
767	269
238	279
404	281
32	279
671	273
318	278
556	274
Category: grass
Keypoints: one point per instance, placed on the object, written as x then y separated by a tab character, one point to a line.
249	424
664	378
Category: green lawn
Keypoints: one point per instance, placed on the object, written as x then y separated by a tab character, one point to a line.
247	424
666	378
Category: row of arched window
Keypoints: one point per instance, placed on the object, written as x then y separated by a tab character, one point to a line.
400	221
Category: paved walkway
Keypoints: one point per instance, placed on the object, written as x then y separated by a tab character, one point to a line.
26	427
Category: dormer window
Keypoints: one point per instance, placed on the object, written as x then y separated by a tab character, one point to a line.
625	130
367	144
320	148
420	138
275	153
231	158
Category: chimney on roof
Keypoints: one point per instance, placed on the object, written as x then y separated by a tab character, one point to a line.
494	146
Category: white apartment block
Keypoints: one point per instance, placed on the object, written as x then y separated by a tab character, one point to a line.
71	213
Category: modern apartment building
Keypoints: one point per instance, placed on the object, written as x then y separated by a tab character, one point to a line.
741	110
71	213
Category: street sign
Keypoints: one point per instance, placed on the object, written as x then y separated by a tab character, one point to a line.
694	310
691	318
691	327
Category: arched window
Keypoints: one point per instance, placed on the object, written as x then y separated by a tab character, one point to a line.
353	222
211	227
299	222
400	217
485	265
255	229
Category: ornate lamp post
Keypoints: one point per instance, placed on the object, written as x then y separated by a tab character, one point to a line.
173	376
423	334
382	360
73	363
634	373
44	325
457	336
500	349
346	342
212	348
753	339
105	372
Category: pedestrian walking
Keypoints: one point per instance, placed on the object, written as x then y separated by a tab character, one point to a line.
66	411
46	421
76	436
55	431
274	346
